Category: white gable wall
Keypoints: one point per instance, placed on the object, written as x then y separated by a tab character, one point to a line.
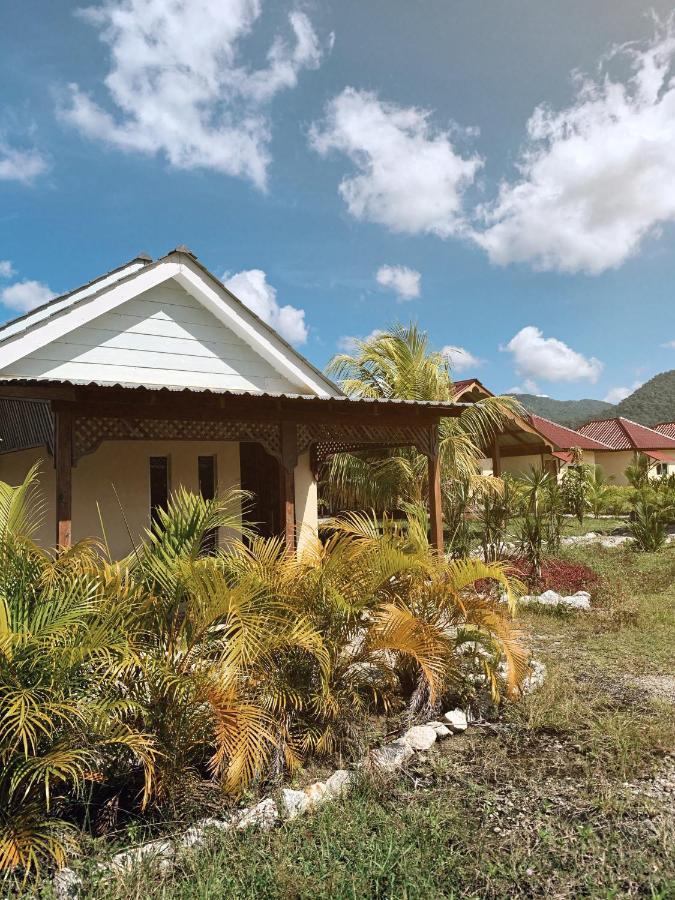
163	337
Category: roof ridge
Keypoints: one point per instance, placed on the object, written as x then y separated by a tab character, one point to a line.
192	259
600	444
639	424
183	250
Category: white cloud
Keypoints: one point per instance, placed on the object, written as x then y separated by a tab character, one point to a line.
670	344
617	394
403	281
178	86
6	269
461	360
596	178
409	176
529	386
538	357
25	295
348	343
252	288
23	165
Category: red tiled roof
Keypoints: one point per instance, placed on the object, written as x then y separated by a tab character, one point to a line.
466	384
667	428
565	438
660	455
462	383
622	434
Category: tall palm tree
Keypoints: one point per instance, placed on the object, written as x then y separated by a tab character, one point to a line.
399	364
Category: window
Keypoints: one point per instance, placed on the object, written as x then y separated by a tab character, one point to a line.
159	485
662	469
206	473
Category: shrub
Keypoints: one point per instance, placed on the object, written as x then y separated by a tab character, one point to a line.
574	487
617	499
64	719
173	669
558	575
647	524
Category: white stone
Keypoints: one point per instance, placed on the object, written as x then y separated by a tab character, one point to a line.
316	792
294	803
580	600
549	598
536	677
391	756
420	737
263	815
193	837
456	719
160	852
66	884
196	835
219	824
339	783
442	731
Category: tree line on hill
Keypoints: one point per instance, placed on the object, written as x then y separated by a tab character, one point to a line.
650	404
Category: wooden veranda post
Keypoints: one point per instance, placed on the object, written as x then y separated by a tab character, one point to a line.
289	459
496	457
435	501
63	460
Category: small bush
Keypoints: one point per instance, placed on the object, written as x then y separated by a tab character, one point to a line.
558	575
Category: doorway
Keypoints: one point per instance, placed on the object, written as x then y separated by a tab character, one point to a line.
259	474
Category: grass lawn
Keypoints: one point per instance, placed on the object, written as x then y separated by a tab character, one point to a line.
599	526
571	795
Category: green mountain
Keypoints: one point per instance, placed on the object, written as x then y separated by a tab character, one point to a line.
652	403
571	413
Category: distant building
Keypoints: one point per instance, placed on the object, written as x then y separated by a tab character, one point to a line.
533	441
625	439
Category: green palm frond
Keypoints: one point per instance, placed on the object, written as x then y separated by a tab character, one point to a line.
21	507
399	364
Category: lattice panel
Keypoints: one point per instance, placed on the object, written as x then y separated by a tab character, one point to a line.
344	438
89	433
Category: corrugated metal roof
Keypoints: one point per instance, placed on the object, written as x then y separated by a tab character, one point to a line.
56	304
623	434
24	424
310	399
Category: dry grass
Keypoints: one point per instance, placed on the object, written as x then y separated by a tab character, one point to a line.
570	795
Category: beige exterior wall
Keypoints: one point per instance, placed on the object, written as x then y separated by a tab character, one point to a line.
614	464
520	465
120	469
13	469
112	486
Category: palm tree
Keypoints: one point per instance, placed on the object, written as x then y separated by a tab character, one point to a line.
63	653
399	364
210	643
597	490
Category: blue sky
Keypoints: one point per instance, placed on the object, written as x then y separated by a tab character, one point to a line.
502	173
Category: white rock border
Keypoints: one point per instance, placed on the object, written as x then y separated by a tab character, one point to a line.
267	813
